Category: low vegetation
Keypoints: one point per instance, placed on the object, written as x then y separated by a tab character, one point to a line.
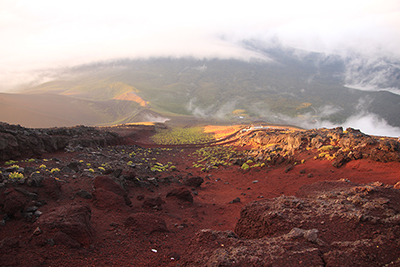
214	157
16	175
180	136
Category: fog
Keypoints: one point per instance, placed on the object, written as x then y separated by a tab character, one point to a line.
366	122
42	35
40	39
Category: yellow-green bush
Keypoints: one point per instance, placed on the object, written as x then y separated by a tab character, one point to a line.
245	166
16	175
55	170
178	136
326	148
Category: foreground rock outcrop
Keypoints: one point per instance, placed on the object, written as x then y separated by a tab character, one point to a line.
20	142
70	223
95	205
337	145
303	230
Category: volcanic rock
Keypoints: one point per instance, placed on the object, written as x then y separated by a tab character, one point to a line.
146	222
194	181
217	248
52	188
84	194
107	200
109	184
153	203
14	203
61	238
72	220
181	193
35	179
17	141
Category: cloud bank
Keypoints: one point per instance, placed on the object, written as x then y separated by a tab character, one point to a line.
43	34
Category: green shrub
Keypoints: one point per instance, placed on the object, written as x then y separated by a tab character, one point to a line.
245	166
55	170
178	136
15	167
326	148
16	175
101	169
11	162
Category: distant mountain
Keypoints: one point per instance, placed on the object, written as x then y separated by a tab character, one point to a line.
52	110
293	86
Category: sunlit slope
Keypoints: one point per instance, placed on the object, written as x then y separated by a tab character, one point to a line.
50	110
289	85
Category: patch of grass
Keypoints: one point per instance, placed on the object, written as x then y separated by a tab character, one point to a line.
16	175
326	148
212	157
55	170
101	169
159	167
15	166
179	136
245	166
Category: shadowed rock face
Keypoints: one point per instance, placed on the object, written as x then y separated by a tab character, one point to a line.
301	231
73	221
19	142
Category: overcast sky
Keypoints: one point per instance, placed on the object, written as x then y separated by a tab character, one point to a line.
43	34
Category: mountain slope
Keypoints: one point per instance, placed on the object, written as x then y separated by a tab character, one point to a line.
294	86
51	110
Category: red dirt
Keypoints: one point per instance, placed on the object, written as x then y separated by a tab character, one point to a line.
117	245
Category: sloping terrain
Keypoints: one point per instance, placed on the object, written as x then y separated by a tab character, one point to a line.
53	110
94	203
294	85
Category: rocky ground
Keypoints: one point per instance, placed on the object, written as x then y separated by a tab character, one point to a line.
89	196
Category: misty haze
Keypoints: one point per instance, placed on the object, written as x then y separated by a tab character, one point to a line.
307	64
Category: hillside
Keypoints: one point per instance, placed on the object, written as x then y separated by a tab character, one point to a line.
50	110
270	196
294	87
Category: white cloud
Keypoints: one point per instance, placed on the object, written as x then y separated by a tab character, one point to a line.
372	124
46	34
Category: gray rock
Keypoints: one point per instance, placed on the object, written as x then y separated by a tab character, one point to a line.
84	194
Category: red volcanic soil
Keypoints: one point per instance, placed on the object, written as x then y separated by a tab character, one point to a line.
155	228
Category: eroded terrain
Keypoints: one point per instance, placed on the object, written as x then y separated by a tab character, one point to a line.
258	197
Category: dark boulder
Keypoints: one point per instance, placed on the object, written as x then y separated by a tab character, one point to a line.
108	184
153	203
14	203
107	200
181	193
194	181
149	223
72	220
